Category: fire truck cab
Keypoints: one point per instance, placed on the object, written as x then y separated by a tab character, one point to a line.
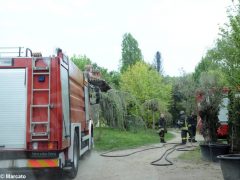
44	111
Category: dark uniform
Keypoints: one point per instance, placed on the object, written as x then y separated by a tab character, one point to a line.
183	126
162	127
192	124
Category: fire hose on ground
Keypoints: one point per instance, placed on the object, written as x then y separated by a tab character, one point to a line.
165	154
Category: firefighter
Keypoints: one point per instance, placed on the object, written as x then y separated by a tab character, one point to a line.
162	128
183	126
192	123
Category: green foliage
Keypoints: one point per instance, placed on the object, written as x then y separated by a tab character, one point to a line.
152	109
81	61
147	86
114	105
226	53
109	139
121	110
227	49
210	89
185	86
130	52
112	77
185	93
208	64
234	124
210	80
103	71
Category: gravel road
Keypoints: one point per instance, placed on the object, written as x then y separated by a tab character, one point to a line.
137	167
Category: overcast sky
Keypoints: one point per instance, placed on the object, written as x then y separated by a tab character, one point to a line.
182	30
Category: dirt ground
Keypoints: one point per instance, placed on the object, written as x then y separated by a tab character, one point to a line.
138	167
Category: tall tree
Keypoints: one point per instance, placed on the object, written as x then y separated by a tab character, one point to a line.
226	52
207	64
130	52
147	86
151	86
185	90
210	88
157	62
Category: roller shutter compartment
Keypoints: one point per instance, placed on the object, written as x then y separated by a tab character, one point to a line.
13	96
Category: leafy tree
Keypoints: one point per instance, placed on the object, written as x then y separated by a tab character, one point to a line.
234	120
157	62
147	86
112	77
227	54
205	65
81	61
210	90
115	79
121	110
152	109
130	52
226	51
186	88
177	97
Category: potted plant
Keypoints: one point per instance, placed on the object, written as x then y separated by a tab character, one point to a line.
230	164
226	53
209	98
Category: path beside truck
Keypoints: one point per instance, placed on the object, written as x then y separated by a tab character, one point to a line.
137	166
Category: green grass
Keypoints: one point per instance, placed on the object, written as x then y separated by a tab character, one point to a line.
191	155
109	139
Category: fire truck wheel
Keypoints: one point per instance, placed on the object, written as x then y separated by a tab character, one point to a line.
91	139
75	164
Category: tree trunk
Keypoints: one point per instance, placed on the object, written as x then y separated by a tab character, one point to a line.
153	125
235	133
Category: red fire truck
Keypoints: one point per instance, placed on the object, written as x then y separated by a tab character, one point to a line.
44	112
222	131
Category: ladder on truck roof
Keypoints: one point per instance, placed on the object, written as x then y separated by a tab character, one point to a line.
40	128
15	52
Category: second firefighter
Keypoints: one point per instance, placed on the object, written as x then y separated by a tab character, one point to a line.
162	128
192	123
184	128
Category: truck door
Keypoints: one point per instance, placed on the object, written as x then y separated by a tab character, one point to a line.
13	109
65	99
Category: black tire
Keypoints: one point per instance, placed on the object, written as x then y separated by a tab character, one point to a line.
91	138
73	172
